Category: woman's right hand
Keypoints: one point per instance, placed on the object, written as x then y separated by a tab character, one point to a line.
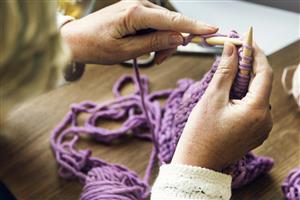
219	131
109	36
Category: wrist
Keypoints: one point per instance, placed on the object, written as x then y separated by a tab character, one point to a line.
74	70
189	153
73	37
67	37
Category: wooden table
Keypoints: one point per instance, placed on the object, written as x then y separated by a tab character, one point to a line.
28	167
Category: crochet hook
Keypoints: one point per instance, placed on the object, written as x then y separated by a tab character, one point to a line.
247	52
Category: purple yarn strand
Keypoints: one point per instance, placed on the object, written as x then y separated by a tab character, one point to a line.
291	185
146	119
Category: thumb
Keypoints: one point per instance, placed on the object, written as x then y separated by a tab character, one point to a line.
155	41
223	78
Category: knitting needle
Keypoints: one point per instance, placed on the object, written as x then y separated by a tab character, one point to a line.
217	40
247	52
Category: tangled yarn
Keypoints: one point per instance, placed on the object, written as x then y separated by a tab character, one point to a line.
291	185
144	118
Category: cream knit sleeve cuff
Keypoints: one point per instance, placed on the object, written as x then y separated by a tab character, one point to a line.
186	182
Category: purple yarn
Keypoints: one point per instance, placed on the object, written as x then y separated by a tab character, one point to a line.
103	180
177	112
291	185
146	119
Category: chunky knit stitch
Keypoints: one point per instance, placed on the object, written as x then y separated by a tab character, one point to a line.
147	119
291	185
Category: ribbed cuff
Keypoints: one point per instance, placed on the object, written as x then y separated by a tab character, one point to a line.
176	181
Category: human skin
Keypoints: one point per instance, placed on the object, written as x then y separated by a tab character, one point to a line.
219	131
108	36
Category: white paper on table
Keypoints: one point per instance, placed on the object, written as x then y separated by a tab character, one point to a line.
273	28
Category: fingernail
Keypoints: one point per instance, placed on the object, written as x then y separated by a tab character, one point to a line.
212	26
175	40
228	50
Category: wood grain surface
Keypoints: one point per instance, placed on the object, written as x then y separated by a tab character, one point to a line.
28	167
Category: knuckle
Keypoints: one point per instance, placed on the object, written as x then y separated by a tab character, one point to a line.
224	70
256	116
269	71
129	18
143	1
154	42
175	17
194	22
261	118
133	9
261	123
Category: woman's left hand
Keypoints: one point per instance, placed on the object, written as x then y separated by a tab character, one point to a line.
108	36
220	130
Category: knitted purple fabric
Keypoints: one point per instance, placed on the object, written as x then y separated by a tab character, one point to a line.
145	119
291	185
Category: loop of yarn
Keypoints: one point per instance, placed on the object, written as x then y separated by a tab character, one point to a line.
146	119
291	185
240	85
103	180
115	183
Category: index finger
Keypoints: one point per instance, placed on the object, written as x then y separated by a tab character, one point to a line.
172	21
261	86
